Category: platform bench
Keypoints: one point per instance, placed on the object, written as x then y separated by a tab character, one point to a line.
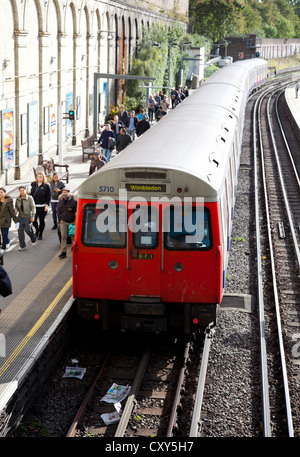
88	147
49	167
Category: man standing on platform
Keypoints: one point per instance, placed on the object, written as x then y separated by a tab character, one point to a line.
123	140
67	207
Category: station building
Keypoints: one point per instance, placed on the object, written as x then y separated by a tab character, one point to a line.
240	48
49	52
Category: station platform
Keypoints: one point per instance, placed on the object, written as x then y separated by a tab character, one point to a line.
42	289
293	105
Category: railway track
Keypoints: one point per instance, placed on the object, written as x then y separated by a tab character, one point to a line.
163	381
278	261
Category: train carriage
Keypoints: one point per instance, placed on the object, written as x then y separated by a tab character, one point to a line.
153	225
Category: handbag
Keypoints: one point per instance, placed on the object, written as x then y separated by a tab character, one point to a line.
69	240
111	143
71	231
5	284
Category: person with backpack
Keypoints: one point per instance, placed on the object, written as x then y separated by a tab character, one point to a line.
67	207
106	135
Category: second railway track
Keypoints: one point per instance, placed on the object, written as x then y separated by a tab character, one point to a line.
163	382
279	301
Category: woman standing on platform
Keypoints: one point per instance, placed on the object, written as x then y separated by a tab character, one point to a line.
7	213
41	194
56	187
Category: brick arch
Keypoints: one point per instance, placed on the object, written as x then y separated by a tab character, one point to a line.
39	14
58	15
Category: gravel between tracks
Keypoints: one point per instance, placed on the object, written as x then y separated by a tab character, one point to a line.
233	394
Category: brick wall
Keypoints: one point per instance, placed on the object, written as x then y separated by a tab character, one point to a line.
269	48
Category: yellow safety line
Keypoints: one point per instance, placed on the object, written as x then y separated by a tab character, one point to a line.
35	328
21	303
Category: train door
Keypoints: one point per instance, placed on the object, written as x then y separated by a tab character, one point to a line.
190	264
144	251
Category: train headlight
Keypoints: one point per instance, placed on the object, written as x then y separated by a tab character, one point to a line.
178	266
113	264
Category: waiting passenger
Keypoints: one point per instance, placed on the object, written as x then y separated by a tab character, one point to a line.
164	103
116	126
105	136
157	99
124	140
123	115
97	162
173	97
160	113
186	91
297	88
41	194
151	107
7	213
56	187
142	126
141	114
131	124
25	207
67	207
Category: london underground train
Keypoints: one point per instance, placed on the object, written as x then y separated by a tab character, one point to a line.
153	225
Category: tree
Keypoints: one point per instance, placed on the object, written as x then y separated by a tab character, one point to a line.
215	18
285	28
253	19
154	60
270	31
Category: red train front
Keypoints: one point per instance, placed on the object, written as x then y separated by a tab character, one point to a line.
134	270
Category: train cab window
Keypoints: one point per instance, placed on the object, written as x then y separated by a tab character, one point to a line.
192	232
104	227
146	230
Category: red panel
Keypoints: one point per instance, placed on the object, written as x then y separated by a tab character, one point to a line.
199	281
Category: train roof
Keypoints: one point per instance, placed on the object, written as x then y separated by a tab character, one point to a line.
195	138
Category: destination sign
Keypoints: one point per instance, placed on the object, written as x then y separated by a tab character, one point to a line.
145	187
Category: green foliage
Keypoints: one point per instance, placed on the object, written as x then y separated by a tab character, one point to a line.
264	18
215	18
270	31
285	28
153	57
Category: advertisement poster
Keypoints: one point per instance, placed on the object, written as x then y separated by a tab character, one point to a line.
33	128
103	103
24	128
78	107
7	138
53	129
69	105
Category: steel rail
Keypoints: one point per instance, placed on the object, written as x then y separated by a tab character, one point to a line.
173	416
286	142
73	428
263	349
195	423
133	393
282	355
287	206
281	344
